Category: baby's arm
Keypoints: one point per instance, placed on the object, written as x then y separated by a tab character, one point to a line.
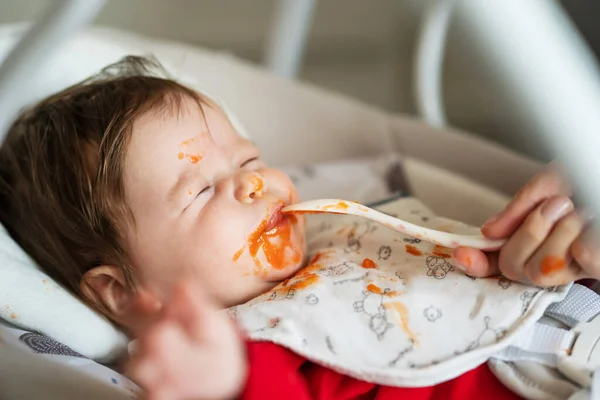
189	351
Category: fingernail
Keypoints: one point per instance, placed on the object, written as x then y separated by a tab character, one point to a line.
490	221
556	208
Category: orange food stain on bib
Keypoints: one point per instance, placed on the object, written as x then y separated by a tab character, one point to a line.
410	249
316	258
374	288
368	263
401	318
442	251
371	287
552	264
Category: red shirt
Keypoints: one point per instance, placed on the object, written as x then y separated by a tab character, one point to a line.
278	373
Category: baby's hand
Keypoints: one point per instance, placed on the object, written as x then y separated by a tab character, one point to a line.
549	243
190	351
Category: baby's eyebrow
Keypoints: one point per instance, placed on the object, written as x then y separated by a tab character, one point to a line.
182	181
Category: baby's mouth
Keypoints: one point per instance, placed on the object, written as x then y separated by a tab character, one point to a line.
275	218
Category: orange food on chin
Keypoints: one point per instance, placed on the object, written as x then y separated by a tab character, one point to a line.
276	244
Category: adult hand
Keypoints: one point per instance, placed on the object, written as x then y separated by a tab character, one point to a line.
549	242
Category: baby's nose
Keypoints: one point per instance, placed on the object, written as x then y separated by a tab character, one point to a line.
250	186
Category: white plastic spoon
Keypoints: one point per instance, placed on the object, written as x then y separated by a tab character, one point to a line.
452	240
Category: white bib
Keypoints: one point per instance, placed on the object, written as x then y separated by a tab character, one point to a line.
389	309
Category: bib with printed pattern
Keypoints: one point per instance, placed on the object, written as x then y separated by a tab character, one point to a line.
386	308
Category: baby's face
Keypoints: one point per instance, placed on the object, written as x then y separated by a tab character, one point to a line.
206	207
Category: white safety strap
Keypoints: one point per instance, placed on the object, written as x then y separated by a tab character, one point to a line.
580	305
550	346
541	344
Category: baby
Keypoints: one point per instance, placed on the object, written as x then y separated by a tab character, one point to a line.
139	195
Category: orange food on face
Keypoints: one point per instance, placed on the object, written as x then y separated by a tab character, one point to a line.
256	182
187	142
180	155
552	264
410	249
237	255
194	158
368	263
274	243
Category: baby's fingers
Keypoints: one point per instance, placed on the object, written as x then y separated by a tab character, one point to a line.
156	357
142	312
194	310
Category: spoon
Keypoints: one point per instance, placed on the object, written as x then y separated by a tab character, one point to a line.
440	238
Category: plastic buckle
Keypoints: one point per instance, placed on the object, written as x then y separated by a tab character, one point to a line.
584	358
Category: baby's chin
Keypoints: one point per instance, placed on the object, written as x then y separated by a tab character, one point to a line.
279	275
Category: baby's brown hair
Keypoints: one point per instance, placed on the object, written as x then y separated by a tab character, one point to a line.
61	168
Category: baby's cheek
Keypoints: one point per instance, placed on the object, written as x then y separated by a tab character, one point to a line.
282	186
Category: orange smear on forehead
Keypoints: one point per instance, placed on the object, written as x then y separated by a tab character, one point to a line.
442	251
410	249
187	142
193	158
552	264
368	263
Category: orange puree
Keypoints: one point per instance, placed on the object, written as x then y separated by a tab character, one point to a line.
368	263
442	251
410	249
552	264
256	182
274	244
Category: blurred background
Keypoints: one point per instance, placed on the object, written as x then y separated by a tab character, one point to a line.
359	48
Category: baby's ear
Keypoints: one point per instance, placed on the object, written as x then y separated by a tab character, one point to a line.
105	288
